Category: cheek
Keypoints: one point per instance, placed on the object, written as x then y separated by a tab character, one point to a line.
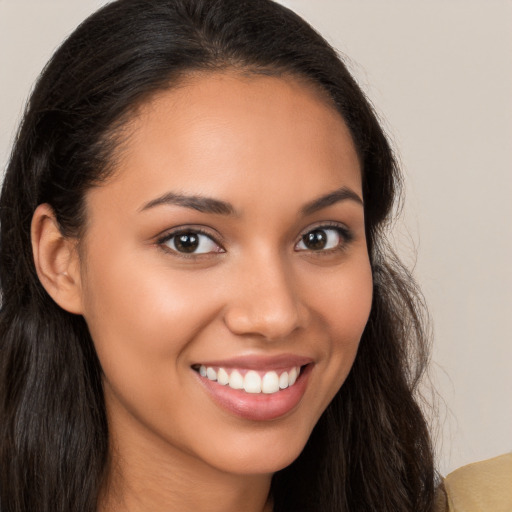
344	302
140	302
343	309
142	317
354	306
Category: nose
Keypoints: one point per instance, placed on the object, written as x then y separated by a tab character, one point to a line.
267	302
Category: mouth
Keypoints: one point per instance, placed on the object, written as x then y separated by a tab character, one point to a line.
256	389
251	381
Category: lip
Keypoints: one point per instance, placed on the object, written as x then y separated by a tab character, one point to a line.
260	363
261	406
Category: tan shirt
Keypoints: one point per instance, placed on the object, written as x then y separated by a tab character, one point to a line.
480	487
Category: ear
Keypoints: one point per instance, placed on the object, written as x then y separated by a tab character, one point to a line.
56	260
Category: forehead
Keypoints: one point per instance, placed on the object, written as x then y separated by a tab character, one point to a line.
226	133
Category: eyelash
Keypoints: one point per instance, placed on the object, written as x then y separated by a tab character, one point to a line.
164	240
344	233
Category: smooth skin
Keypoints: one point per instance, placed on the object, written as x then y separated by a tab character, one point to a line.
252	285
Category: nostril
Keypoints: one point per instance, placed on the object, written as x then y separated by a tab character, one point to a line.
271	326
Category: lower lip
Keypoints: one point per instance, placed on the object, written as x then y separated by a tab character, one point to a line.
258	406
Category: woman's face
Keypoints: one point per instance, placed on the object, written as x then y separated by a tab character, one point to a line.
228	251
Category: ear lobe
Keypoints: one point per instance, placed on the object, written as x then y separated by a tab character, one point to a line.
56	260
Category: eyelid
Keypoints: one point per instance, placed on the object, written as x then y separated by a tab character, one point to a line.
167	235
161	239
345	233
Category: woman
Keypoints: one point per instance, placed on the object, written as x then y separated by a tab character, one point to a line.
199	310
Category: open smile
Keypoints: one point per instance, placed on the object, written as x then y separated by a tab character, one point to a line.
255	391
251	381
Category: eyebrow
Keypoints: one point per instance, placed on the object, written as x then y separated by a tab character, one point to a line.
209	205
341	194
199	203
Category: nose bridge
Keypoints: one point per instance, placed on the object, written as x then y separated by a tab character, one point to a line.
267	302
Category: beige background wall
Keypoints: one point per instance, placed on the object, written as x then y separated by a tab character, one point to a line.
440	74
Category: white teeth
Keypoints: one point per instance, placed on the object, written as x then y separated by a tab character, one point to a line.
236	381
283	380
270	383
211	373
222	377
252	382
292	376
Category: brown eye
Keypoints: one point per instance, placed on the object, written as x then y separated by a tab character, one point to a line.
191	242
323	239
315	240
187	242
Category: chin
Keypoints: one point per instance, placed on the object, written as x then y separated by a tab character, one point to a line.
256	464
263	453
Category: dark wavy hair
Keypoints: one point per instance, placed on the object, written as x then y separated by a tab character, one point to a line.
371	450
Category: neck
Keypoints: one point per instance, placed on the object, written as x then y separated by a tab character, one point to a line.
149	476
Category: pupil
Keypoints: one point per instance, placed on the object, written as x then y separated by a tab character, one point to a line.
315	240
187	242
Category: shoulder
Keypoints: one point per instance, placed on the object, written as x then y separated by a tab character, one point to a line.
481	486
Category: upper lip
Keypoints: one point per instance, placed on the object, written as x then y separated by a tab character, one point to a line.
255	362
